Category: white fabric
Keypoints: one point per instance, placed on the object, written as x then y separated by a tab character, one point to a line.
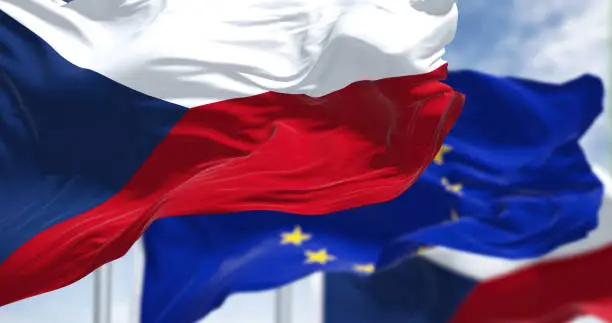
193	52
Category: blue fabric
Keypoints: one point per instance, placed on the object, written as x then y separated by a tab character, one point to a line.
416	291
48	175
526	189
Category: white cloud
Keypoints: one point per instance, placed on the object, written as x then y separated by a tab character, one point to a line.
556	41
553	40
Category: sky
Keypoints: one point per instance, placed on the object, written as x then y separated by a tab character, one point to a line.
552	40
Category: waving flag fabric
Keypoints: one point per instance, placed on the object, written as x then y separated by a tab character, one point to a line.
116	113
510	181
445	285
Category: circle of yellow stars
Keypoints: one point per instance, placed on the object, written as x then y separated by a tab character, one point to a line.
297	237
455	188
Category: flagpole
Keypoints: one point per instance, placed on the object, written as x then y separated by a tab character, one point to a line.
102	294
138	276
321	284
283	304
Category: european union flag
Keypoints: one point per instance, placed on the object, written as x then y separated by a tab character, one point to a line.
510	181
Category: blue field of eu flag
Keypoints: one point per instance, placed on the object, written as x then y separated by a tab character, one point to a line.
416	291
510	181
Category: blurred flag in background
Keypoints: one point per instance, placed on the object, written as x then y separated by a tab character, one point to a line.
510	181
445	285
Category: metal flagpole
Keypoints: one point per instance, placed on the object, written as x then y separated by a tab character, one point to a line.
283	304
319	285
102	294
138	276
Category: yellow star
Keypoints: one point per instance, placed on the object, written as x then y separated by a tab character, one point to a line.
367	268
318	257
453	188
454	215
422	250
296	237
439	159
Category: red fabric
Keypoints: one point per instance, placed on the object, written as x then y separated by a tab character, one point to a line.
601	308
548	292
366	143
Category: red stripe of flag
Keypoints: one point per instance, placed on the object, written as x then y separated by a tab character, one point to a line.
547	292
363	144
